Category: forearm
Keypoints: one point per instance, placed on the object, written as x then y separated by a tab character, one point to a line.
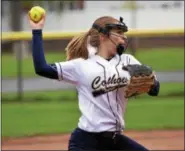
155	89
40	65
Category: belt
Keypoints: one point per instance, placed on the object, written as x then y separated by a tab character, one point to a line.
110	134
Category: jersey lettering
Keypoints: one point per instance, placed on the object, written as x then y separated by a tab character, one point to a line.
100	86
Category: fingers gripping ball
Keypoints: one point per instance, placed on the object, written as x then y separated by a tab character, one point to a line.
36	13
142	79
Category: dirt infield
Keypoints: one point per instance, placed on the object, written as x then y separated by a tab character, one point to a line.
153	140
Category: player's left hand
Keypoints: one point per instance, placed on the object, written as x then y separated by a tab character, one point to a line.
142	79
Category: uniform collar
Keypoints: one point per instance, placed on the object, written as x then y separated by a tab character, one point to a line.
103	61
92	55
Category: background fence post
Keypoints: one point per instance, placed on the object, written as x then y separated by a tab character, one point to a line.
16	20
133	44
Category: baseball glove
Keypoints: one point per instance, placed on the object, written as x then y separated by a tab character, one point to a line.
141	81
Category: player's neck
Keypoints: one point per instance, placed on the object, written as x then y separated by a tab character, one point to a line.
104	54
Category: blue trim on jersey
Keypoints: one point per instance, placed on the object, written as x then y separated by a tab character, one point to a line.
155	89
40	65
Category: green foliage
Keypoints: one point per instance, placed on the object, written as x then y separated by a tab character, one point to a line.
131	5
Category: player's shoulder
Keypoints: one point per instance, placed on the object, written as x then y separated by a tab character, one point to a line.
73	62
129	59
126	56
78	60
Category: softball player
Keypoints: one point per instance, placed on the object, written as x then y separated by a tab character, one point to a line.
99	80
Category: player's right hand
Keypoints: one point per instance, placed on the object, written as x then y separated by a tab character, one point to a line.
38	25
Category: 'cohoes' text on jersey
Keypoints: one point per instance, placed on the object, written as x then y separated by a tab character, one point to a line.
101	86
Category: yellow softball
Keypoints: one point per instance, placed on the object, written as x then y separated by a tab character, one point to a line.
36	13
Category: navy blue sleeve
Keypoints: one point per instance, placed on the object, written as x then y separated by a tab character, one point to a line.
155	89
40	65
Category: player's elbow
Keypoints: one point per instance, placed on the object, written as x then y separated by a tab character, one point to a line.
39	71
42	72
155	89
47	72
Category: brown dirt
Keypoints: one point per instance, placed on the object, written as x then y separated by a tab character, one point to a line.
153	140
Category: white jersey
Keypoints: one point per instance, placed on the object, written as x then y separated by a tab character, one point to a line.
100	85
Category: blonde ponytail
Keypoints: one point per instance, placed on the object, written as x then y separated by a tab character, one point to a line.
77	47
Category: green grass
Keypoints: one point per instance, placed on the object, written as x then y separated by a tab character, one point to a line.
166	113
39	96
9	64
166	89
51	112
25	119
171	89
161	59
35	118
165	59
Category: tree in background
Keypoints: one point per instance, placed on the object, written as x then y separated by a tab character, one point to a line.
53	6
131	5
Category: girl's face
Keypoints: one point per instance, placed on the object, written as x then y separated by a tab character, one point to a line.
115	38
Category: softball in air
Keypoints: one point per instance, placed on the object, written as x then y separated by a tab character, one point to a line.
36	13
